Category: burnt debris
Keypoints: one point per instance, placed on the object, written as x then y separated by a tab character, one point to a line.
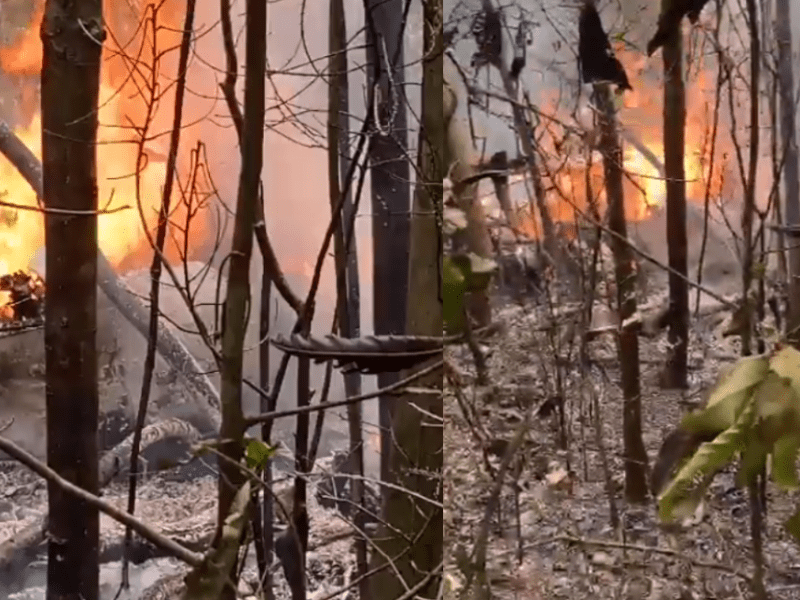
487	30
25	305
597	61
670	20
521	41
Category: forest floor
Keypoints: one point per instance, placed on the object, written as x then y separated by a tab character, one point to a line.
184	510
559	543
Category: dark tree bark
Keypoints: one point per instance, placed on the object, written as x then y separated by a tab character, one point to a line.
749	209
416	457
72	35
238	295
267	528
791	172
348	306
675	374
391	198
625	275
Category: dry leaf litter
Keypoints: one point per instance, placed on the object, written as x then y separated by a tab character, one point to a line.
185	511
567	548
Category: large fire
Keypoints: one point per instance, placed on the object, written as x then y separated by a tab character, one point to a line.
123	109
566	176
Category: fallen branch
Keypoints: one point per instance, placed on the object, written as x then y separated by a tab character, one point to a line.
627	547
129	305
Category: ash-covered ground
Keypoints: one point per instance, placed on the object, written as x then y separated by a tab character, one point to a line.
181	500
551	537
185	510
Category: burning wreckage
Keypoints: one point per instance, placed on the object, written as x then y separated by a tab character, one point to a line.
24	301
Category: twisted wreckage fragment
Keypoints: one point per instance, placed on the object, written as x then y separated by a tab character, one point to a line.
168	345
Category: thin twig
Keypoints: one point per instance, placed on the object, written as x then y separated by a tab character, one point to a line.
398	385
193	559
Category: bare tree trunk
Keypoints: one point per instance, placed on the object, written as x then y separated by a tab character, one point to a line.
625	275
791	174
238	291
459	154
675	374
267	508
748	211
389	176
70	86
347	292
417	453
528	144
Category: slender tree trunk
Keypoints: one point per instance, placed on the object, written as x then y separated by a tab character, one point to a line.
675	375
528	143
460	157
267	508
748	212
389	177
791	172
72	35
347	290
238	291
417	454
625	275
155	274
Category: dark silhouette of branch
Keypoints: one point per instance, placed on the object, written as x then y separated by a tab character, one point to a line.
394	387
598	63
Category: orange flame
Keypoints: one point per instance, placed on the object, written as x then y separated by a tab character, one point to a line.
644	186
122	110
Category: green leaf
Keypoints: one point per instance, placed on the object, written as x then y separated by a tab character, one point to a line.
729	397
454	285
687	488
784	462
776	408
477	270
759	270
754	458
463	273
793	525
257	454
786	364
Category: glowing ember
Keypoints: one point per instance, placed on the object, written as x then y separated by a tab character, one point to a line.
23	293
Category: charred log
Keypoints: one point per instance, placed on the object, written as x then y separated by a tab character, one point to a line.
26	296
597	61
